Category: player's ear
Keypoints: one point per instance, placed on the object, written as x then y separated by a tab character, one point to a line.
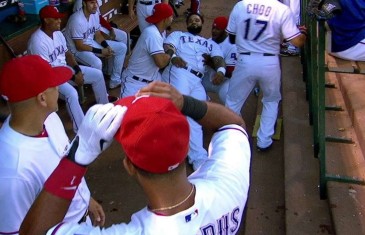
129	167
41	98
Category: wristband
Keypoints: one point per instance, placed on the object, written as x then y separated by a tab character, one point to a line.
194	108
65	179
170	52
221	69
77	69
96	50
104	44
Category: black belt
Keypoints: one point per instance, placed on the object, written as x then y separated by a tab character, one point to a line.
196	73
149	2
264	54
141	79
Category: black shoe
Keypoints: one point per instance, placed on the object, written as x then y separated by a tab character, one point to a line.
264	149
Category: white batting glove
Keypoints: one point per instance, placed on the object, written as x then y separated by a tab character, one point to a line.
96	132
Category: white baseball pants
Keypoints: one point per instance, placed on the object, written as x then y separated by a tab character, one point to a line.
69	94
90	59
249	70
188	84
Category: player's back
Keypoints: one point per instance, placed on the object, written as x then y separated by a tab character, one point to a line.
260	25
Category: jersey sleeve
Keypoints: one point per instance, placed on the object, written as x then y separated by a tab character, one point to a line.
76	30
229	159
289	28
154	45
232	24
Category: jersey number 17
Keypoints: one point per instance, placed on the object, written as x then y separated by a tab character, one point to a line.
259	23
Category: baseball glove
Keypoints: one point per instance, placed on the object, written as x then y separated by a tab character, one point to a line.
323	9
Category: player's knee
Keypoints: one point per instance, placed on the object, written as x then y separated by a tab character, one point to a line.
120	48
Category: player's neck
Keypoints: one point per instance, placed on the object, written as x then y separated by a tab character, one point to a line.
30	125
221	39
168	199
48	32
86	13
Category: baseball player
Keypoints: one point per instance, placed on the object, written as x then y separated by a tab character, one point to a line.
148	55
108	31
348	31
257	29
144	8
33	141
210	201
86	42
50	44
229	51
186	70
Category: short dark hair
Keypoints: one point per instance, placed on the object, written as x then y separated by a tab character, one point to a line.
197	14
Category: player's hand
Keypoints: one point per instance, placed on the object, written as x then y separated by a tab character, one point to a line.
164	90
218	78
208	60
112	34
96	213
96	132
106	52
79	79
178	62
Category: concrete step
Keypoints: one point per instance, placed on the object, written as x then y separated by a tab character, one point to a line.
346	160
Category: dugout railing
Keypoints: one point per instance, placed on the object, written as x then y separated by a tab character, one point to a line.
314	69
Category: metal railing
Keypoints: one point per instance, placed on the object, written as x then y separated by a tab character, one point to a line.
314	68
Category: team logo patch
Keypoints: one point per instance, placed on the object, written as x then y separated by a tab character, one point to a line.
191	216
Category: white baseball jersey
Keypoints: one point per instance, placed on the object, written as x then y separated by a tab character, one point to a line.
78	27
25	164
54	51
221	192
230	57
141	63
259	25
191	48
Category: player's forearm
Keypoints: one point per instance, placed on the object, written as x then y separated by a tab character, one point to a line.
218	62
99	37
210	115
46	211
161	60
299	41
70	59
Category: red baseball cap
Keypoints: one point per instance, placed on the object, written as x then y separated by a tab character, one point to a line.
50	12
25	77
154	134
220	22
160	12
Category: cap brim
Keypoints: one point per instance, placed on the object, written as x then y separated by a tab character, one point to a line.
61	75
153	20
